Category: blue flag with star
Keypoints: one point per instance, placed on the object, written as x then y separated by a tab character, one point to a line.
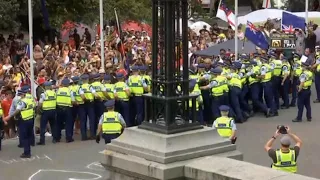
254	35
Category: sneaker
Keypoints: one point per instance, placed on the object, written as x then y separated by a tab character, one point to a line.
47	134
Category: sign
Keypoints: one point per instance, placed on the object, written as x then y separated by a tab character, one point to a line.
283	41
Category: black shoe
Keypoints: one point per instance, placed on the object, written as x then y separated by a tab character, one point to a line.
309	120
25	156
20	146
316	101
296	120
267	114
292	105
40	143
285	107
70	140
84	139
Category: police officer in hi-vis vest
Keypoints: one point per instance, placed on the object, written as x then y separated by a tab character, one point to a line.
25	108
86	92
225	125
48	104
111	124
122	94
285	158
65	97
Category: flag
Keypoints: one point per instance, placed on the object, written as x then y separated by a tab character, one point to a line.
226	14
45	14
119	42
27	51
291	22
266	4
255	36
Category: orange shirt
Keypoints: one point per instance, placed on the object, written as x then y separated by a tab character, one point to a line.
5	104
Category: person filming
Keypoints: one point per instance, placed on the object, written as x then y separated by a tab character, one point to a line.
285	158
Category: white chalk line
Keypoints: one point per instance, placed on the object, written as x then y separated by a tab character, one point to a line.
95	166
65	171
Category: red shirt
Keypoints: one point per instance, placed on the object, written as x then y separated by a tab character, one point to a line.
6	104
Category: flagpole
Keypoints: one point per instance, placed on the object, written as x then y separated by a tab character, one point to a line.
278	3
101	34
31	46
236	29
306	18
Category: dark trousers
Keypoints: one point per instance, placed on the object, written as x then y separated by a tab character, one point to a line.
19	121
124	108
257	103
244	105
235	97
89	112
317	84
83	121
268	96
137	106
27	135
286	92
276	85
304	101
295	83
98	111
108	137
207	112
47	116
64	120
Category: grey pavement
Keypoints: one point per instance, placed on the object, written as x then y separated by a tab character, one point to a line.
77	160
258	130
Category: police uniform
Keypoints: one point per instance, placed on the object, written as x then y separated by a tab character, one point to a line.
224	125
87	91
108	85
26	107
48	100
137	86
265	71
112	123
146	77
122	101
317	78
235	85
65	97
285	75
304	94
99	99
28	95
297	70
207	112
199	101
276	67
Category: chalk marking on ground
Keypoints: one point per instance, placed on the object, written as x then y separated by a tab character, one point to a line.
95	166
33	158
65	171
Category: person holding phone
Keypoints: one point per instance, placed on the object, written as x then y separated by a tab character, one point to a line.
285	158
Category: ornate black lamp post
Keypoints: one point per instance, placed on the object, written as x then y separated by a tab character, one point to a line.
167	107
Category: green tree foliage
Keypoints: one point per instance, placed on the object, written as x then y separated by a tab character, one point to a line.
8	14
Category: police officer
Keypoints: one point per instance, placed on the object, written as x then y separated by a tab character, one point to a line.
111	123
146	77
297	70
47	103
304	92
265	76
285	82
122	94
137	86
28	95
316	68
207	112
65	97
100	95
79	106
107	82
235	85
199	100
25	108
86	92
225	125
276	67
285	158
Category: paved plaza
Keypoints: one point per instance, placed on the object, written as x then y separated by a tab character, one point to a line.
78	160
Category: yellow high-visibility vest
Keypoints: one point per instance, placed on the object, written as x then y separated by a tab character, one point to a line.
309	77
75	89
87	93
196	91
135	85
286	161
219	89
223	126
50	102
1	111
111	123
268	74
235	80
27	113
120	88
110	89
98	87
64	97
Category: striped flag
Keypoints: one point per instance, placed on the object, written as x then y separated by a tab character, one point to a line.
266	4
119	42
226	14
